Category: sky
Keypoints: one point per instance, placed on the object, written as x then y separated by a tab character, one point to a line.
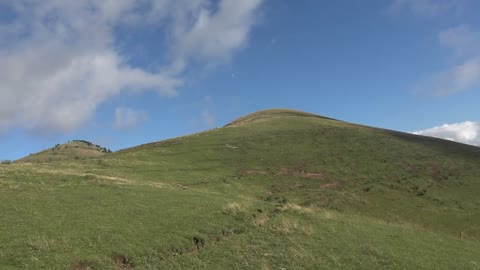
121	73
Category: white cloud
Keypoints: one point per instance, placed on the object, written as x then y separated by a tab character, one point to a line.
462	40
466	132
59	60
460	78
464	76
429	8
127	118
62	97
216	35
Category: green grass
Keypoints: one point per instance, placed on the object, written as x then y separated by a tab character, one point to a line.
275	190
71	151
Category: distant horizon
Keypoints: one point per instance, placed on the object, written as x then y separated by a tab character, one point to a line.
221	126
120	74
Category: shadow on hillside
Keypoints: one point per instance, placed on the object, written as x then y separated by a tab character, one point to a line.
445	147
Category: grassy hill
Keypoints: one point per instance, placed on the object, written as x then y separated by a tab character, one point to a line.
277	189
74	150
269	114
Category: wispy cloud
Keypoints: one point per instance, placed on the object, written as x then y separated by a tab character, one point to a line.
429	8
208	119
60	62
205	116
465	75
464	41
466	132
127	118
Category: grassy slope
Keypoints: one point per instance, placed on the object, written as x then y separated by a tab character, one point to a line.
283	190
70	151
269	115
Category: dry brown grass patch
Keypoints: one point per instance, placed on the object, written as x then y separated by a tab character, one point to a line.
286	226
260	220
233	208
295	208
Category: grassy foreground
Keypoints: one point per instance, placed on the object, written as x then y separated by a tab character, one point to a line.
274	190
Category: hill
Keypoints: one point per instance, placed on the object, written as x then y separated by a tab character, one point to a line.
73	150
273	190
265	115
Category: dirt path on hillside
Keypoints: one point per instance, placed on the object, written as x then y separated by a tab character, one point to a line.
114	179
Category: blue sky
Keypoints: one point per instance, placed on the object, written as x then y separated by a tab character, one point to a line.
122	73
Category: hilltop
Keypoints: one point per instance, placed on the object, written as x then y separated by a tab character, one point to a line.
268	114
274	189
70	151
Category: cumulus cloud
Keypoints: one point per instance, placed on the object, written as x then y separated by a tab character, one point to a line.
466	132
202	40
59	60
127	118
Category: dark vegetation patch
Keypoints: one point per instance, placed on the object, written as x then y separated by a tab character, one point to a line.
122	262
98	147
198	242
